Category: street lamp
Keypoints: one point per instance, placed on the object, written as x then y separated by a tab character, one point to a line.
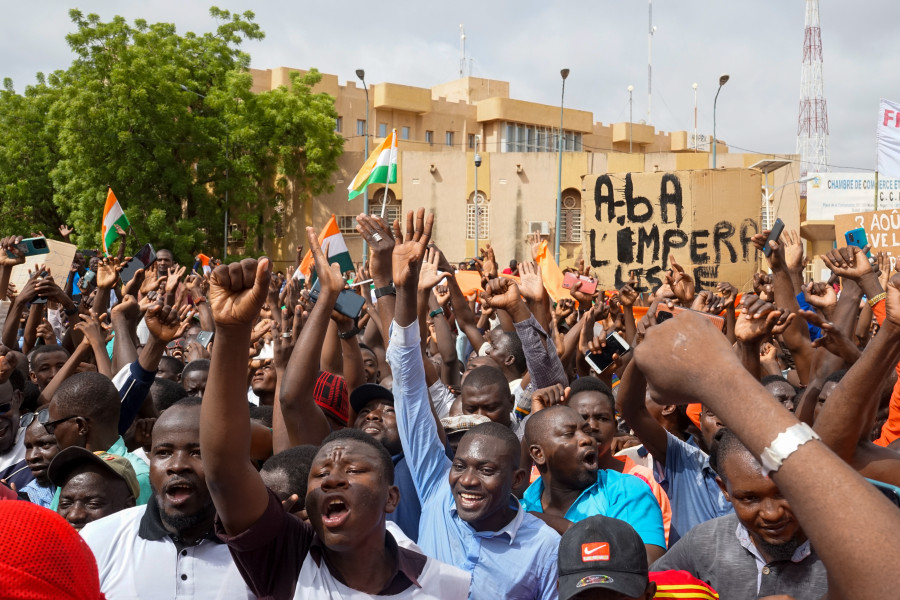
770	193
563	73
630	118
695	115
723	79
477	210
227	144
361	74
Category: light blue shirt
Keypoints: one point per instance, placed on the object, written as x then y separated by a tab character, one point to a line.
617	495
517	562
39	494
691	485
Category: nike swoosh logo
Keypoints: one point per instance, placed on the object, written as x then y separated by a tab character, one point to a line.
595	550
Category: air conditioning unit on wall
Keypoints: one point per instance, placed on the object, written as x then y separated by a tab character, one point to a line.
541	227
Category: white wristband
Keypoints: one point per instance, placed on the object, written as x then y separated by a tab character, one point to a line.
785	444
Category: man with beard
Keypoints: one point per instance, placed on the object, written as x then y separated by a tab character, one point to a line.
759	550
167	548
573	487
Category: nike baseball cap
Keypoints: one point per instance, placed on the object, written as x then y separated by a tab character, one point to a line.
601	552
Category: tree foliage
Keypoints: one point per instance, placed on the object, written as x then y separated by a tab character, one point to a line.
170	122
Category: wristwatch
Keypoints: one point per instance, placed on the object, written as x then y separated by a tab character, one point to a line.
436	312
349	335
388	290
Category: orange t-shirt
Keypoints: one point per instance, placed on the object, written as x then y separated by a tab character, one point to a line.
645	474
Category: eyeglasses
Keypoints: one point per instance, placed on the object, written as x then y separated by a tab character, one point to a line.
26	419
51	426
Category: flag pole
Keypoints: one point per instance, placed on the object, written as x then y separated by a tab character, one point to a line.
387	181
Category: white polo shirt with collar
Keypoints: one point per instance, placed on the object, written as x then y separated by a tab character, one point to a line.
138	558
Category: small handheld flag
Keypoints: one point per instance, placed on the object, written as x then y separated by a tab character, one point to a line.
112	215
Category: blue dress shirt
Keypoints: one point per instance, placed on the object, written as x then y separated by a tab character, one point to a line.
517	562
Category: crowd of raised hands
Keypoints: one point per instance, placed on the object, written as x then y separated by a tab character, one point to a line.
759	356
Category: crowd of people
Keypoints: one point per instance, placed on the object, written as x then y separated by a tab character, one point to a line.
230	432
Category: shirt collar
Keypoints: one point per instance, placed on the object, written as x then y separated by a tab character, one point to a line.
410	565
511	529
743	536
152	529
118	448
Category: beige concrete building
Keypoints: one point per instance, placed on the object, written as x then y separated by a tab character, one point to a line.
441	128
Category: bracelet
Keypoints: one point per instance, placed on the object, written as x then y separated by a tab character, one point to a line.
876	299
436	312
349	334
388	290
785	444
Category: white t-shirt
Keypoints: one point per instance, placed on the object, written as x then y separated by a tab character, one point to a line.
439	581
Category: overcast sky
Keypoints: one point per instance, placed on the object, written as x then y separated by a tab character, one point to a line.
525	42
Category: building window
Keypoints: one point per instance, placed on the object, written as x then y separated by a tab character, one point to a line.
404	133
429	137
517	137
360	127
471	141
448	138
484	221
347	224
339	124
382	130
392	212
570	223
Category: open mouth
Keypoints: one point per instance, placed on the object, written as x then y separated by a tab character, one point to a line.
590	459
335	513
469	501
178	493
371	429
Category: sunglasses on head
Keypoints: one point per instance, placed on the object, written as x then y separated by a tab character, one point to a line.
42	416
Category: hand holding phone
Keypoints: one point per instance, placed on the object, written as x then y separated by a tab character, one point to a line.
600	362
777	228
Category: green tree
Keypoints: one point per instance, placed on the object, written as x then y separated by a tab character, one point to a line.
28	152
170	122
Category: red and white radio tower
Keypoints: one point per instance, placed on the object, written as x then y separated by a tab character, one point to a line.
812	123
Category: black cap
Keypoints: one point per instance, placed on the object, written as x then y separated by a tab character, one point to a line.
602	552
368	392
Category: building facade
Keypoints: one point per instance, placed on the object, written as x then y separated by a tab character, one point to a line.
441	128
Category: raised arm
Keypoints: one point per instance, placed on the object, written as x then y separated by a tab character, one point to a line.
850	407
236	295
858	547
630	402
304	420
415	421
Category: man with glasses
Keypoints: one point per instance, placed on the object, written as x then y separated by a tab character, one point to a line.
40	448
85	412
13	467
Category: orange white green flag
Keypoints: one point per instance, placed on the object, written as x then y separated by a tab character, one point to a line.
112	215
332	243
380	167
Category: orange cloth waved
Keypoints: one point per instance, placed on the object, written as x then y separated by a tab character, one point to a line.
469	282
551	274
